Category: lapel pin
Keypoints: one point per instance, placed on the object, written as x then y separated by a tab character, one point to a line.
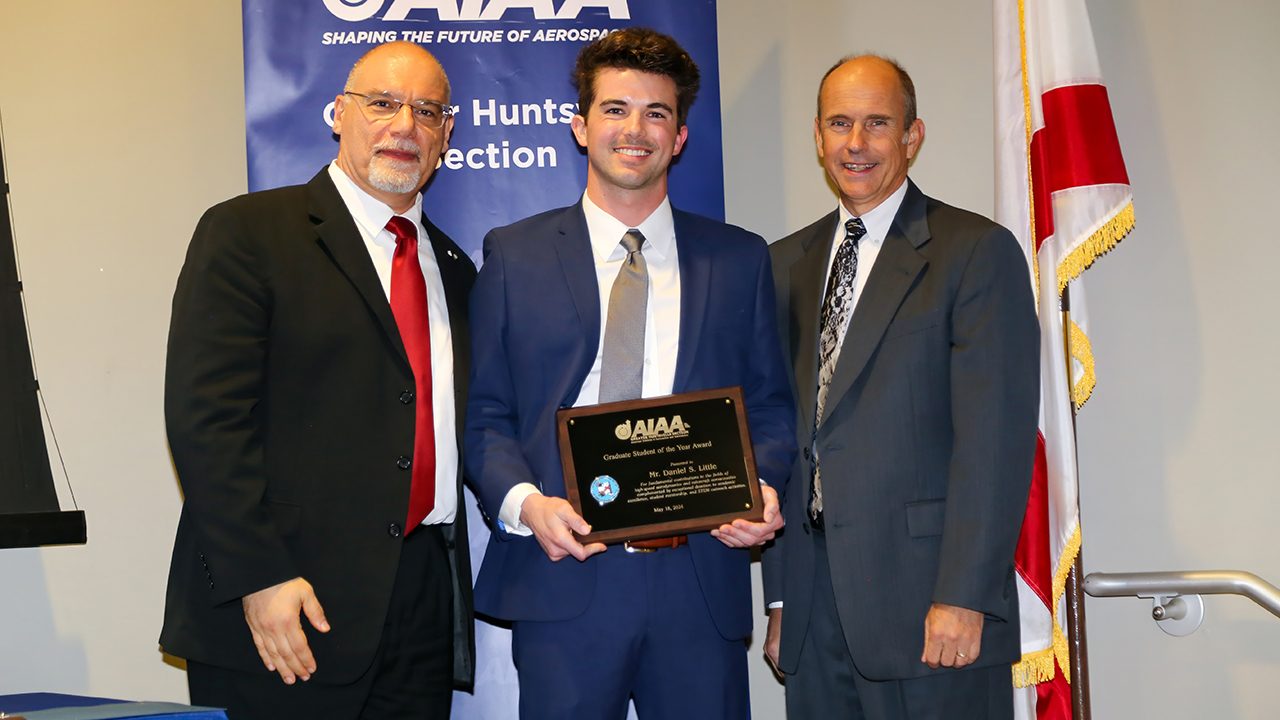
450	254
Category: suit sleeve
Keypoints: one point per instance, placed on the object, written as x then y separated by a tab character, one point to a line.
995	390
214	384
494	459
771	565
771	409
771	553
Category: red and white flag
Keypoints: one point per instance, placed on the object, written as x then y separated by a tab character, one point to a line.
1061	187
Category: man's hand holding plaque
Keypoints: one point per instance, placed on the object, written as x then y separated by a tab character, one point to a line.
554	522
742	533
557	527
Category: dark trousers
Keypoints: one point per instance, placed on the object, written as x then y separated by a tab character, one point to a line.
411	675
647	635
827	684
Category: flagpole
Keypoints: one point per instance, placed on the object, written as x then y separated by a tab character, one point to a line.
1079	647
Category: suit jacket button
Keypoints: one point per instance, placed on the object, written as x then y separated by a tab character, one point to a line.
403	463
394	530
406	397
806	453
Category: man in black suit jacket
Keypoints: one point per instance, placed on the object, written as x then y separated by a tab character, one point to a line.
917	384
314	391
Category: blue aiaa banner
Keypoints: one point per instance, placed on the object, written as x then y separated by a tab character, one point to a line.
512	153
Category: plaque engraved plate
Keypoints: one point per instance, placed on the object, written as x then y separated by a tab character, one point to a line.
672	465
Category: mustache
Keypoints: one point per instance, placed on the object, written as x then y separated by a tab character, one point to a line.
399	144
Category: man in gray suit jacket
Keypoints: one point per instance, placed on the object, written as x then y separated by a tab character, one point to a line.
912	338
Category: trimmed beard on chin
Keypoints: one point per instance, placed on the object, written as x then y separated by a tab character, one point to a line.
386	177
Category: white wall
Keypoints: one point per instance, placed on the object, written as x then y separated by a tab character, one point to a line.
124	120
1178	450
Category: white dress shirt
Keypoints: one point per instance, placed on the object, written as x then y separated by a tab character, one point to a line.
371	216
878	221
662	316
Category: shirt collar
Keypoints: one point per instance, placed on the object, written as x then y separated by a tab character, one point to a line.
370	213
877	220
606	231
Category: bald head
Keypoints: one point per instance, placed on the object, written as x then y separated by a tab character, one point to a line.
396	53
850	66
866	130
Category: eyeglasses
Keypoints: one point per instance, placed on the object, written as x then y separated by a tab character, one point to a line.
425	113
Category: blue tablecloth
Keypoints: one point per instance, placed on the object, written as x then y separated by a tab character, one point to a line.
53	706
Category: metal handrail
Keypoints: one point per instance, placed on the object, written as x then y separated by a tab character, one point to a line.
1199	582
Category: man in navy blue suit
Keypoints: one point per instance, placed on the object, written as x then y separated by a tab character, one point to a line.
661	622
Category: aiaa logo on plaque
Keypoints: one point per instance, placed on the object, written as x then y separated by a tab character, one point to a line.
652	429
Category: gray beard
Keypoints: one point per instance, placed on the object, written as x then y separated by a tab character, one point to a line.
386	177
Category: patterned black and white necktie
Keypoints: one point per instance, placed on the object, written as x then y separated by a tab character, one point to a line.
836	309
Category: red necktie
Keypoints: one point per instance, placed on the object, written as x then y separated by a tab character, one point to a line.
409	304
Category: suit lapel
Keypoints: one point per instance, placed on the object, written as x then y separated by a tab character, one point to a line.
807	287
339	235
455	273
895	271
577	261
695	286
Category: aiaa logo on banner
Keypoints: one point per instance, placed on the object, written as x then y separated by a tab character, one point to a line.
471	9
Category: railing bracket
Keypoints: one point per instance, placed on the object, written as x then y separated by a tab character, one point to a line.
1177	615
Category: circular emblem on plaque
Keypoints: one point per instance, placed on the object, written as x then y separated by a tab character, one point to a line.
604	489
623	431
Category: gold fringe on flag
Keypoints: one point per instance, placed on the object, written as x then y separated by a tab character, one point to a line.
1083	354
1098	244
1026	118
1035	668
1061	649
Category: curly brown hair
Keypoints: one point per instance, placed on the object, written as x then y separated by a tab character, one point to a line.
637	49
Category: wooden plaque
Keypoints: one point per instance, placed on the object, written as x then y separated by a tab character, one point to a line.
671	465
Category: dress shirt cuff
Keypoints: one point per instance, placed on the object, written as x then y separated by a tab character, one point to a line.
774	605
509	514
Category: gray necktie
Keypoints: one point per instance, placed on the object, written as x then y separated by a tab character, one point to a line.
622	368
836	309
